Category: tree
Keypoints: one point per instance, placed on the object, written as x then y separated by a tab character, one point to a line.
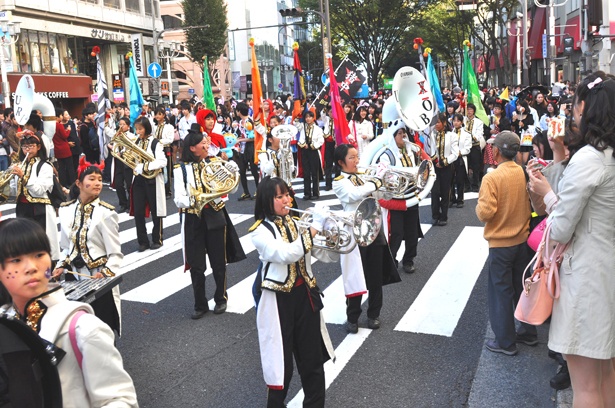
209	41
371	32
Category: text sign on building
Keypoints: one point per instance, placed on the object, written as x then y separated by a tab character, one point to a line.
544	46
137	54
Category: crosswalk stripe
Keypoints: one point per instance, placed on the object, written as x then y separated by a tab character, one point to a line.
438	307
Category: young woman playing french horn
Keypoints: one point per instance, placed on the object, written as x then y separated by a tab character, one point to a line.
376	260
208	231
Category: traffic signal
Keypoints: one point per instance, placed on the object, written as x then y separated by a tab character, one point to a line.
294	12
568	45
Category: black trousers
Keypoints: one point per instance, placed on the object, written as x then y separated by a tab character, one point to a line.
200	241
168	153
475	164
372	261
245	160
440	193
459	180
144	192
405	226
66	171
122	179
34	211
300	327
310	159
329	149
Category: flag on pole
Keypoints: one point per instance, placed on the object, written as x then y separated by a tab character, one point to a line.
257	99
299	84
136	97
208	95
103	103
470	85
340	124
434	84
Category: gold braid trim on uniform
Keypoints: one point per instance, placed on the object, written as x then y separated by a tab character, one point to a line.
23	182
34	314
440	142
80	228
255	225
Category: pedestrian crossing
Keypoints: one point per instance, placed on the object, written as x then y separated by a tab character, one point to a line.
435	311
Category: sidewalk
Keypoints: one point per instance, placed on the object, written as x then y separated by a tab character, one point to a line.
518	381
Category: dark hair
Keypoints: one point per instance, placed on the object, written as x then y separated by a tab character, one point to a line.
541	140
74	190
125	119
357	115
265	194
555	109
597	125
160	109
442	118
35	121
308	113
193	138
147	125
88	110
242	108
339	154
33	139
19	236
59	112
459	117
7	112
470	106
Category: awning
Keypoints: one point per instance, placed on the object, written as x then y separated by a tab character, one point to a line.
58	86
539	23
573	30
512	41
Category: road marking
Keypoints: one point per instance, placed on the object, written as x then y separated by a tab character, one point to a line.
438	307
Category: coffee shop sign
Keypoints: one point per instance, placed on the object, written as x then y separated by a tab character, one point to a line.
106	35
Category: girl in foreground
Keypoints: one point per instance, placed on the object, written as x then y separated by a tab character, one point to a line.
99	378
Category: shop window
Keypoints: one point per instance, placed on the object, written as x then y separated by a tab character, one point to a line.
90	1
148	7
70	56
35	52
23	52
133	5
112	3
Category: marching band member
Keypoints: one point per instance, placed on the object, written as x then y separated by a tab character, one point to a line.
34	180
288	316
209	233
311	138
329	147
475	127
376	260
90	240
446	151
460	166
165	133
403	221
122	174
94	378
148	192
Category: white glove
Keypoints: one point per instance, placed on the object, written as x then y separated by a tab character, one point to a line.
139	169
381	169
232	166
319	215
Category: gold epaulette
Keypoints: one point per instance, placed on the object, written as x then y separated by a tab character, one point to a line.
107	205
255	225
67	203
177	165
338	178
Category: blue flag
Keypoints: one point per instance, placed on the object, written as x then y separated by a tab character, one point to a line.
136	97
432	77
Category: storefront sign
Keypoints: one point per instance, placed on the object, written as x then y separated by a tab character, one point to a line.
106	35
58	86
117	82
118	95
137	53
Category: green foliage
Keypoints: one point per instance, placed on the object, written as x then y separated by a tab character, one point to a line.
208	41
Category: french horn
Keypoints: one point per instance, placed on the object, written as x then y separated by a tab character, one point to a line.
218	180
365	221
131	155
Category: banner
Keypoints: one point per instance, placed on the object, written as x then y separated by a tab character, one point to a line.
470	85
208	95
340	124
257	98
136	97
103	104
137	53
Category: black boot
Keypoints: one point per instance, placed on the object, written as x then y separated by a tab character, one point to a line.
561	380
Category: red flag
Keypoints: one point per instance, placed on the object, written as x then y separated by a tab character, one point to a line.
299	88
337	111
257	96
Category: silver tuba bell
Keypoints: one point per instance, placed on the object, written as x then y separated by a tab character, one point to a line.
27	100
286	134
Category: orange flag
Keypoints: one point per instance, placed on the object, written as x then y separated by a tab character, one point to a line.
257	97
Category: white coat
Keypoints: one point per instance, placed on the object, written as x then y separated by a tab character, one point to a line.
159	162
360	129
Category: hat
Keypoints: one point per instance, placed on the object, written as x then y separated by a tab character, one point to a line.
506	140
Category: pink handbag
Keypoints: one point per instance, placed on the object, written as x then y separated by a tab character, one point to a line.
542	288
536	235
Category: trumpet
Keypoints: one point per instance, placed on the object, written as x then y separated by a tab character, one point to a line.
130	154
402	182
365	222
218	179
7	175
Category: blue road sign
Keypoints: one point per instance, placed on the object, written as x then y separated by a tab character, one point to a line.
154	70
280	86
324	79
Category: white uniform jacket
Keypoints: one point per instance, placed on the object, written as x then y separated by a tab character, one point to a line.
101	381
159	162
318	136
360	129
269	162
477	130
446	149
166	135
184	125
465	144
35	186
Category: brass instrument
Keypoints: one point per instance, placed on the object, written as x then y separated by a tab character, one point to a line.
403	182
286	133
7	175
218	178
365	221
130	154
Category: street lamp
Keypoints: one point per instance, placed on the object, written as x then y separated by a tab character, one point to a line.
10	35
518	35
168	53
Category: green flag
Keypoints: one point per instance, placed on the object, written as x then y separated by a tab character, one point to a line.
470	86
208	95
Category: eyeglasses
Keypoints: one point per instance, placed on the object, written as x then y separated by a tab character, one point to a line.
27	146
